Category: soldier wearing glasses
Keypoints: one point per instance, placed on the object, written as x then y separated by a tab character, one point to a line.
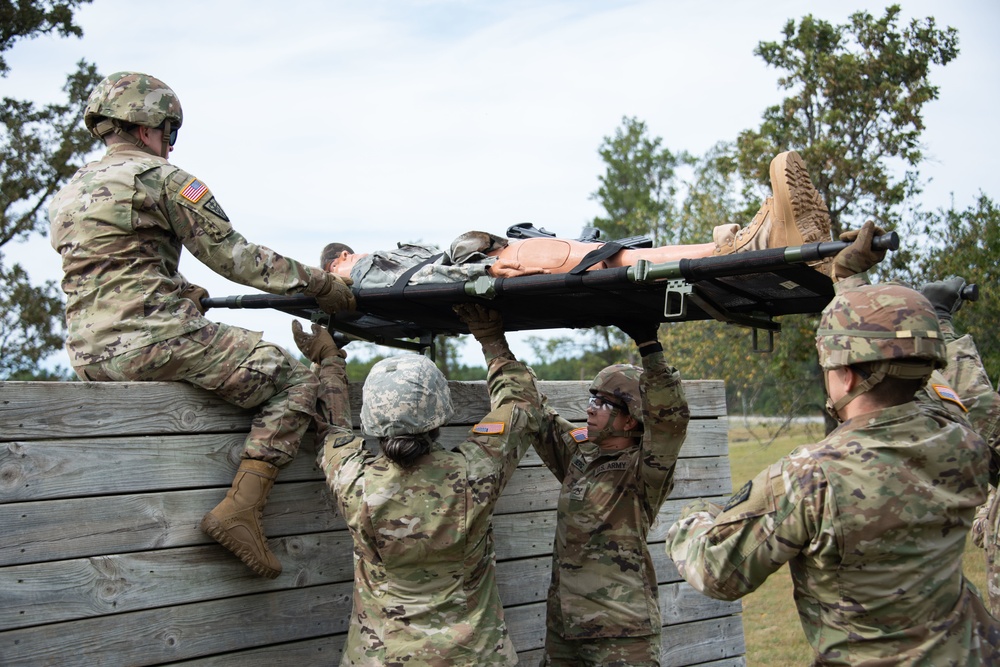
616	473
120	224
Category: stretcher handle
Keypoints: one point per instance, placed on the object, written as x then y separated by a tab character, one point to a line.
970	292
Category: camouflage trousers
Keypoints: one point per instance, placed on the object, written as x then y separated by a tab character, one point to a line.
236	365
601	651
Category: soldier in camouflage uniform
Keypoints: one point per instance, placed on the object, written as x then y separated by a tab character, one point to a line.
420	514
981	404
872	521
120	224
616	472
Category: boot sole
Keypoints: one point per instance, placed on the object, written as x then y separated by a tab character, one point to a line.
796	198
214	529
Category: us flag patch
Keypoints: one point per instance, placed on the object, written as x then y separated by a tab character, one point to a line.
579	434
194	191
489	428
946	393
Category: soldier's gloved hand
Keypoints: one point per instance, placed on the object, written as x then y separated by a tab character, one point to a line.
859	256
945	295
195	294
640	332
316	346
335	295
484	323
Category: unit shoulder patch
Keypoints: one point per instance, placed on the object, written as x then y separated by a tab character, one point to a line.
213	206
489	428
738	497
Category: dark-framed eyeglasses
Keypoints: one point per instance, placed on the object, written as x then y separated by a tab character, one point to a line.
601	403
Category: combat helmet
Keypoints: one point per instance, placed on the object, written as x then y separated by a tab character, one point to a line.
404	395
888	324
620	381
134	98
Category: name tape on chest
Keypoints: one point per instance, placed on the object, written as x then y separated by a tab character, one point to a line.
946	393
194	191
489	428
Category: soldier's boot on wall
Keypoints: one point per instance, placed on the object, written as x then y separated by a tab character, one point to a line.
235	523
795	215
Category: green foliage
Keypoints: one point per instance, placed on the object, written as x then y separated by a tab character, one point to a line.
26	19
639	188
40	148
855	109
965	243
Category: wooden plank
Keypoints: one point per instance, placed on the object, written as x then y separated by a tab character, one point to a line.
54	591
59	468
51	410
702	641
320	651
167	634
84	526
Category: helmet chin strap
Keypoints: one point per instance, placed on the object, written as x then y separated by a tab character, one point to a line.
610	432
879	372
165	140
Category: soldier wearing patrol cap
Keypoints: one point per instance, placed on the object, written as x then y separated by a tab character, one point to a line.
872	521
120	224
421	513
616	472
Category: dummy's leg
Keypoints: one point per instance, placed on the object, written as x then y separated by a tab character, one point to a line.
795	214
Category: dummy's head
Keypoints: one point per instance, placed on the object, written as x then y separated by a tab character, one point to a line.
887	333
405	400
616	393
339	258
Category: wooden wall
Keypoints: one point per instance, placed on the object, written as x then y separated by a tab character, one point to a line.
103	485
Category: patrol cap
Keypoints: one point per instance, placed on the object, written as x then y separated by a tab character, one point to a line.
404	395
885	322
622	382
132	97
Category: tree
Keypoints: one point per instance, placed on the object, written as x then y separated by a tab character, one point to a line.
639	188
855	112
965	243
40	148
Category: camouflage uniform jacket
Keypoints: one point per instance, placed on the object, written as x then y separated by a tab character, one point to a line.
603	580
872	522
425	590
382	268
120	224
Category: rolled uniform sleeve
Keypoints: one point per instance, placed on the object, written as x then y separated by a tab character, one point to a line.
204	228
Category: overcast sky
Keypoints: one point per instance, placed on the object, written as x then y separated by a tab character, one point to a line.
372	122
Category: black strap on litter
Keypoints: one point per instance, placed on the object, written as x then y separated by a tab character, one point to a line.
596	255
403	280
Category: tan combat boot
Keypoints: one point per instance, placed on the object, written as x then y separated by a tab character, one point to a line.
235	523
801	213
795	214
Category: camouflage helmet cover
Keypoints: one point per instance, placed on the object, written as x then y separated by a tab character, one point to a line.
404	395
133	97
884	322
622	382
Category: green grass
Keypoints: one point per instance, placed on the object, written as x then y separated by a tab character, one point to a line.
774	636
